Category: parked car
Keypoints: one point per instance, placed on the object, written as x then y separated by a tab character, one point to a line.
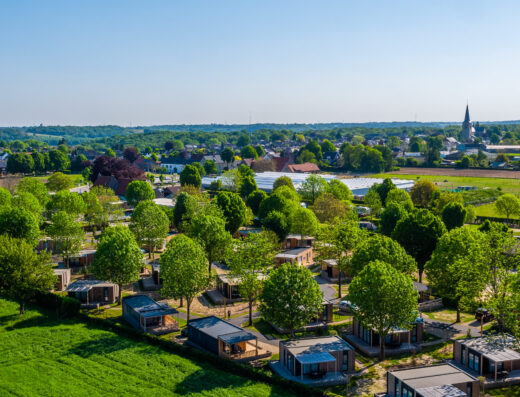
345	306
483	313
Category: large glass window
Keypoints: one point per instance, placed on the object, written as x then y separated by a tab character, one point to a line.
473	361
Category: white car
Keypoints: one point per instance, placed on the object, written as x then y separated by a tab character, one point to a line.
345	306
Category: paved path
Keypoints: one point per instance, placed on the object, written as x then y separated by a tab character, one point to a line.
238	321
329	292
448	330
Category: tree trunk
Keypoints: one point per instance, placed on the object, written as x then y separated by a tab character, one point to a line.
381	347
181	303
339	286
458	313
22	307
188	313
209	267
250	312
292	333
420	275
120	294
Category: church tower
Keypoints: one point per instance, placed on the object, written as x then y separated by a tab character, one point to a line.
468	131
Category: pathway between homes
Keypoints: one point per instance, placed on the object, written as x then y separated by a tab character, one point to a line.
238	321
449	330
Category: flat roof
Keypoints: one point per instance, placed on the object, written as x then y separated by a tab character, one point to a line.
216	327
147	307
86	285
61	271
299	237
495	348
441	391
292	254
315	358
331	262
433	375
324	344
235	280
236	337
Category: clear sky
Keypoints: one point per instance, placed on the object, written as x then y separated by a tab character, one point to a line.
168	62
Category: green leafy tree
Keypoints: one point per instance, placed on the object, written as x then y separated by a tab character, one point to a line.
200	168
401	197
59	161
453	215
422	192
248	152
327	146
110	153
20	163
442	199
30	203
233	209
384	188
59	181
138	191
373	201
243	140
418	233
190	176
339	190
303	222
382	248
64	200
280	304
228	155
312	187
327	207
39	162
118	257
383	298
210	232
36	187
23	272
458	269
210	166
18	222
392	214
183	270
247	186
250	259
260	151
283	181
67	234
254	199
470	214
5	197
278	223
508	205
150	225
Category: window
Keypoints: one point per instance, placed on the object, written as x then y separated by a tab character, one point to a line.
397	388
463	349
345	361
414	333
473	361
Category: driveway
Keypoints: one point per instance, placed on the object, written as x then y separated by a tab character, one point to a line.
329	292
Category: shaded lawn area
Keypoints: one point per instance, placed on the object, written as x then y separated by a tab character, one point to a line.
450	315
491	211
512	391
45	357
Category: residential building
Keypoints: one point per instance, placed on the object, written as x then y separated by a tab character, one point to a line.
443	380
330	270
63	279
144	313
297	241
305	167
92	292
302	256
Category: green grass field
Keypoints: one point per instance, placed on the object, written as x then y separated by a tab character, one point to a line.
490	210
452	182
43	357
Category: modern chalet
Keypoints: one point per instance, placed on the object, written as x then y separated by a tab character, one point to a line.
144	313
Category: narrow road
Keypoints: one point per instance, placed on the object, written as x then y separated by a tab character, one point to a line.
329	292
448	330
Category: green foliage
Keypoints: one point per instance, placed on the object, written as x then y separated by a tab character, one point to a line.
278	223
327	146
508	205
458	268
373	201
20	163
138	191
422	192
247	186
210	232
39	162
366	159
243	140
442	199
5	197
36	187
453	215
280	304
149	224
227	155
58	161
17	222
312	187
64	200
384	299
339	190
183	270
210	166
30	203
303	222
260	150
233	209
392	214
23	272
384	249
248	152
327	207
418	233
289	194
384	188
254	199
275	202
190	176
59	181
283	181
118	257
67	234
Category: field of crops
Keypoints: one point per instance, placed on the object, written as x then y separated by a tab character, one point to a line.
40	356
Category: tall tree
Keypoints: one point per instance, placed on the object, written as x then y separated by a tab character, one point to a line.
233	209
327	207
250	259
280	304
508	205
247	186
255	199
67	234
210	232
422	192
392	214
228	155
382	299
118	257
339	190
36	187
23	272
18	222
150	225
418	233
373	201
138	191
283	181
401	197
278	223
190	176
5	197
183	270
453	215
64	200
303	222
59	181
312	187
458	269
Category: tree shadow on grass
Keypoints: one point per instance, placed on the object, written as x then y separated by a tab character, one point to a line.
104	345
33	321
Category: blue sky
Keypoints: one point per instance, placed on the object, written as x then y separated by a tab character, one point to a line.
161	62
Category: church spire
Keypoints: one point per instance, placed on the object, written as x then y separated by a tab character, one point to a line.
466	117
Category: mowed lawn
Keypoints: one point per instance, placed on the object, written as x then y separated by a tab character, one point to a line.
452	182
491	211
40	356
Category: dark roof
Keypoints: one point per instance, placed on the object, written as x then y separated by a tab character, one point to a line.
236	337
147	307
433	375
86	285
218	328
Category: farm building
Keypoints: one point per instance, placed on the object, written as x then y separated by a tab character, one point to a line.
144	313
491	357
224	339
443	380
301	256
93	291
63	279
315	359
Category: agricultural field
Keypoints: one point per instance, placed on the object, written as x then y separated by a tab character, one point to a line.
449	180
42	356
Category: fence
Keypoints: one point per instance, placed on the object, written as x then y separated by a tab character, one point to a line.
428	306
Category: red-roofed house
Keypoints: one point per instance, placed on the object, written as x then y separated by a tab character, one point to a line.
305	167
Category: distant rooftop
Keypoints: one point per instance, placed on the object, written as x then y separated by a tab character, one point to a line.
432	376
